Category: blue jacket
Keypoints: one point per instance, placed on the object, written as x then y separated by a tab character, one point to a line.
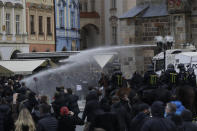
179	107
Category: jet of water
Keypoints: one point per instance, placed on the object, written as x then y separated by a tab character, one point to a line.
79	69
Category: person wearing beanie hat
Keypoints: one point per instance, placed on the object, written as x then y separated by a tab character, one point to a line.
158	122
68	120
187	121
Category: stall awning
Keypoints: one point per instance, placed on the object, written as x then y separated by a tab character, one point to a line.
5	72
20	67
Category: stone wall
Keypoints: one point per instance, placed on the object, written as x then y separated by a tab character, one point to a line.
154	27
144	30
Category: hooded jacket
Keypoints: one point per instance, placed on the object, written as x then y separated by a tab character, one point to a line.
179	107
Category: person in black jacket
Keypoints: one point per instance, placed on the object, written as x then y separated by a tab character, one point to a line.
73	105
170	77
141	117
47	122
6	121
191	78
157	122
67	120
92	108
150	78
187	121
122	109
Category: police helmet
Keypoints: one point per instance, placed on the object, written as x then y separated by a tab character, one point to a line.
181	66
170	66
150	68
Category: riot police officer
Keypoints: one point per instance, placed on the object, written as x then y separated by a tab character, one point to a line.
182	75
191	78
170	76
150	77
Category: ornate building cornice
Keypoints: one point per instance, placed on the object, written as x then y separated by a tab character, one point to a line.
40	6
11	3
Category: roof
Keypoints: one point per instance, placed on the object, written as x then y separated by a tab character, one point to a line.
134	11
153	10
156	10
21	67
189	54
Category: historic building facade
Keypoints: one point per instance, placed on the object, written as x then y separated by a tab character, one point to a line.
40	25
150	18
92	23
99	21
67	25
12	32
113	10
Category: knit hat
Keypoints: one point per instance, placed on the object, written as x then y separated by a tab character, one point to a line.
64	111
157	109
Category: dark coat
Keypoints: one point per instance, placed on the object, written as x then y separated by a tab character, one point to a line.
92	109
138	121
47	123
107	121
187	121
73	105
69	123
170	77
157	122
123	116
189	126
6	121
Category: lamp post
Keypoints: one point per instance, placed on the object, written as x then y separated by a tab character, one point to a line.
164	43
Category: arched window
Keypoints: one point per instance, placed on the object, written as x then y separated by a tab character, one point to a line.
64	49
34	50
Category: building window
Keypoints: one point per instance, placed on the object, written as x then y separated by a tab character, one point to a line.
49	26
8	23
92	5
40	26
80	7
32	24
17	24
113	3
85	7
72	20
61	18
114	34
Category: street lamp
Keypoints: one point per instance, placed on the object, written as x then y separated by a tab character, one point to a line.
164	43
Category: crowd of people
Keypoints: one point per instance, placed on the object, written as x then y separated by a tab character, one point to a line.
142	103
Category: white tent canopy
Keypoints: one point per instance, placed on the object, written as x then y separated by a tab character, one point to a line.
24	67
